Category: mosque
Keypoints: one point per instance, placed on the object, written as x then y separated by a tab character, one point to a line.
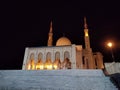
64	55
65	66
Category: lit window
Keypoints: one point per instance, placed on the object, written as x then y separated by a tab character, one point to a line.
86	34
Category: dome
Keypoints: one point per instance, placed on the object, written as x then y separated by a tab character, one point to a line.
63	41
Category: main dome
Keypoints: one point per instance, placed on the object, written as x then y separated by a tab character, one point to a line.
63	41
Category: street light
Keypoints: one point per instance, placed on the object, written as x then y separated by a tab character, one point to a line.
110	44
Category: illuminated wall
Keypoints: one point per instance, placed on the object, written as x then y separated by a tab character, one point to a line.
48	58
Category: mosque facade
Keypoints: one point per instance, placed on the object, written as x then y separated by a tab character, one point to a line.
64	55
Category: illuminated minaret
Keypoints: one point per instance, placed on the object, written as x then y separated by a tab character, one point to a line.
50	36
87	40
89	54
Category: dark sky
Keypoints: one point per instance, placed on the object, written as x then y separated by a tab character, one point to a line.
26	24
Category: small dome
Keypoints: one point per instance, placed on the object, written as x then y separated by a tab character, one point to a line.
63	41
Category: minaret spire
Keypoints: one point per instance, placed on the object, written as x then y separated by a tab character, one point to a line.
87	41
51	27
50	35
85	23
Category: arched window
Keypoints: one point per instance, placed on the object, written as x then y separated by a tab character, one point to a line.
31	63
57	55
48	56
32	56
40	64
57	63
48	63
66	64
66	55
40	56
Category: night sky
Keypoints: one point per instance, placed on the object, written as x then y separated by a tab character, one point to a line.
26	24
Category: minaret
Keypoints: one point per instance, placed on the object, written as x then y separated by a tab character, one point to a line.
50	35
86	37
88	50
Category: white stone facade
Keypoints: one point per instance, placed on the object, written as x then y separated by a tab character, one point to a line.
78	58
51	53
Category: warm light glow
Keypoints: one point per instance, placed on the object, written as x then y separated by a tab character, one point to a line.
41	67
33	67
37	67
49	67
110	44
45	66
86	34
29	66
55	66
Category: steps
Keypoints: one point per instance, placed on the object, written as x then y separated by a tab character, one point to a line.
54	80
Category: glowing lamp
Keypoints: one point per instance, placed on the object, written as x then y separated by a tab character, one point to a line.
110	44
